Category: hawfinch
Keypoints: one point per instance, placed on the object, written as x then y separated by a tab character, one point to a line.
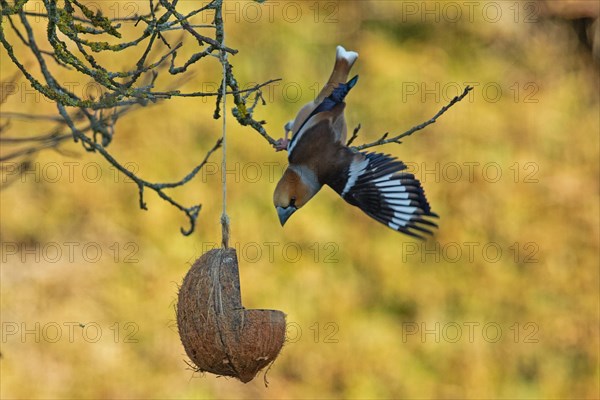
318	155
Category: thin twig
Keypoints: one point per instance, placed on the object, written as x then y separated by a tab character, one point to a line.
396	139
354	135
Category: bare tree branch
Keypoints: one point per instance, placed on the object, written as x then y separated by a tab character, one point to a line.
396	139
72	30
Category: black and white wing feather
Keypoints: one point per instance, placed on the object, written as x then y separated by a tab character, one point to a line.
378	185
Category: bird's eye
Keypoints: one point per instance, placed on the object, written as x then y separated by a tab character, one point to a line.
293	202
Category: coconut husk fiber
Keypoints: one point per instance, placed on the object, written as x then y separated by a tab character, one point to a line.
218	334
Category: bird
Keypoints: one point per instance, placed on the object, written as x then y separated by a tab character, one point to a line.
376	183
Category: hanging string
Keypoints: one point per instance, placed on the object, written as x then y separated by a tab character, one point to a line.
224	216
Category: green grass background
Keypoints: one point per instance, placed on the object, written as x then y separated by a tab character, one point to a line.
349	318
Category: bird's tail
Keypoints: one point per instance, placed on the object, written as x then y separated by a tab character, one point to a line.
343	64
341	54
379	186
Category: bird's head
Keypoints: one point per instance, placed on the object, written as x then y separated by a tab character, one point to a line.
295	189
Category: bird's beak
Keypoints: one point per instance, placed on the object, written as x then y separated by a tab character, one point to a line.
285	213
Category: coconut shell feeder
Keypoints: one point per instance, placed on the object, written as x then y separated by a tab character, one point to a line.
218	334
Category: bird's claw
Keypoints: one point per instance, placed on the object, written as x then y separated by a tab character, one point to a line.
281	144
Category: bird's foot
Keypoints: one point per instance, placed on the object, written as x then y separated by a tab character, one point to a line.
281	144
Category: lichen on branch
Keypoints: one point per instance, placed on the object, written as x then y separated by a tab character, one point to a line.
72	32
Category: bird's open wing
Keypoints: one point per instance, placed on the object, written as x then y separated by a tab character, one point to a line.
379	185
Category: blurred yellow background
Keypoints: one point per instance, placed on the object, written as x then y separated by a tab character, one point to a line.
502	303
